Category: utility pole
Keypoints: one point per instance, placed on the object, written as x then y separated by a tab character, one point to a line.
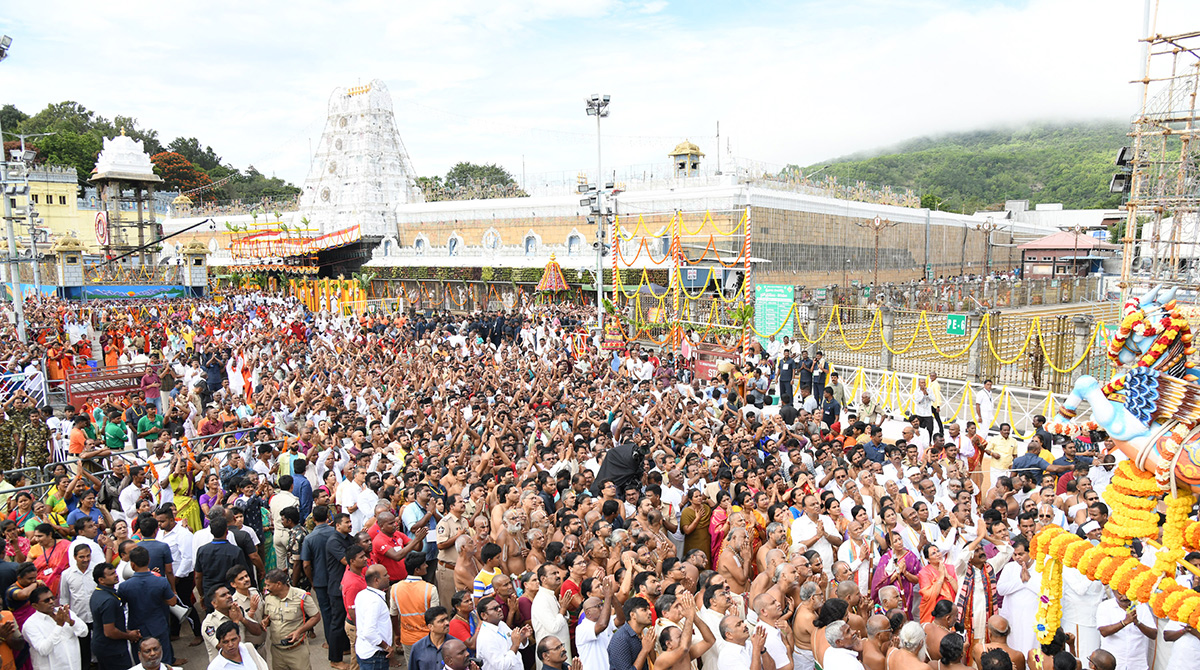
32	214
987	227
597	106
878	225
10	192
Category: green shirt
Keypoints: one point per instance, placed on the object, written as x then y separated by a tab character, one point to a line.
145	424
115	437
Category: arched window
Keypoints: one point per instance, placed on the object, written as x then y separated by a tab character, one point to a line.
419	246
530	245
452	245
491	240
574	245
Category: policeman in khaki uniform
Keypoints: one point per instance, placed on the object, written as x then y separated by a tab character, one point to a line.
291	613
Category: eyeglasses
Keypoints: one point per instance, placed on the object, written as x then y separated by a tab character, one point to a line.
1045	516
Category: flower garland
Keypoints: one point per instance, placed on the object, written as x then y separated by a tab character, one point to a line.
1133	482
1191	536
1179	509
1049	614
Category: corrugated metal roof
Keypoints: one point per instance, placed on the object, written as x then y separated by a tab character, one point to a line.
1068	240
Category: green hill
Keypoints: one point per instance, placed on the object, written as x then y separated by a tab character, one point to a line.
1069	163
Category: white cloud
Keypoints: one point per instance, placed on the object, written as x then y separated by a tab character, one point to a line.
503	81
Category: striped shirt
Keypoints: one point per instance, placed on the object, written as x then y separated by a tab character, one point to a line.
483	584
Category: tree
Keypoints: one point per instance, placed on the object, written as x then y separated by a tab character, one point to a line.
75	150
179	174
465	175
64	117
11	117
204	158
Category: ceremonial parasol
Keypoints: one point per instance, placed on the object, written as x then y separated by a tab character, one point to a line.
552	278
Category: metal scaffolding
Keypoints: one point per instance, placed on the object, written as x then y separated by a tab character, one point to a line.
1162	230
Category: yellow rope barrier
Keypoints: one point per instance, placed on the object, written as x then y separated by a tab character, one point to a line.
916	331
929	331
1020	352
870	331
1046	354
804	333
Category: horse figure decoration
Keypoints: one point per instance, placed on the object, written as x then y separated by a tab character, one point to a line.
1151	411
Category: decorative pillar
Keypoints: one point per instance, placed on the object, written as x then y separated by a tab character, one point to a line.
813	326
975	356
1083	335
887	331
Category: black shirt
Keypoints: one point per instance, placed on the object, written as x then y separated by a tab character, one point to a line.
107	608
214	559
335	551
313	551
160	555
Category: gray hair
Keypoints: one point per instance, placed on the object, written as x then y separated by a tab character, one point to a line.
773	526
779	570
808	590
835	631
912	636
888	592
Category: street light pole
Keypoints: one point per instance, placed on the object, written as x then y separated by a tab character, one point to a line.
37	280
14	280
597	106
987	227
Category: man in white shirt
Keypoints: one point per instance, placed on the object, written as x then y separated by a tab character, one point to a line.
595	631
769	611
183	558
76	587
347	499
741	650
496	644
985	411
1125	633
716	607
373	621
52	632
844	646
813	531
547	614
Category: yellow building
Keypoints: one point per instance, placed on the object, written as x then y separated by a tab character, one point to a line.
53	194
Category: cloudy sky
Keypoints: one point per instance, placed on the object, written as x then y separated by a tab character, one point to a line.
503	81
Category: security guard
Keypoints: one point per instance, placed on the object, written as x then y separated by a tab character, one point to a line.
291	613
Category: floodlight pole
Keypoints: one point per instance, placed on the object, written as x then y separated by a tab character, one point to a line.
597	105
37	280
14	280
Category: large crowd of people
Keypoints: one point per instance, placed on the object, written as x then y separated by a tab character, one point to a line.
479	491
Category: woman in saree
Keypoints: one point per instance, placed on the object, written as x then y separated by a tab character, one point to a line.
16	546
50	557
24	510
186	506
898	567
718	526
210	497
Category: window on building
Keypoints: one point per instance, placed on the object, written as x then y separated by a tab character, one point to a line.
530	245
62	199
574	245
34	198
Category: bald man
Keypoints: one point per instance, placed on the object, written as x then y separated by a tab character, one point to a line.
1103	660
997	632
876	644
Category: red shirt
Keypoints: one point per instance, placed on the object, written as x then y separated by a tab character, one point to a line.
381	544
351	585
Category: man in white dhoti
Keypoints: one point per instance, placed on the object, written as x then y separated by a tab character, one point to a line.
1020	585
977	597
1080	601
